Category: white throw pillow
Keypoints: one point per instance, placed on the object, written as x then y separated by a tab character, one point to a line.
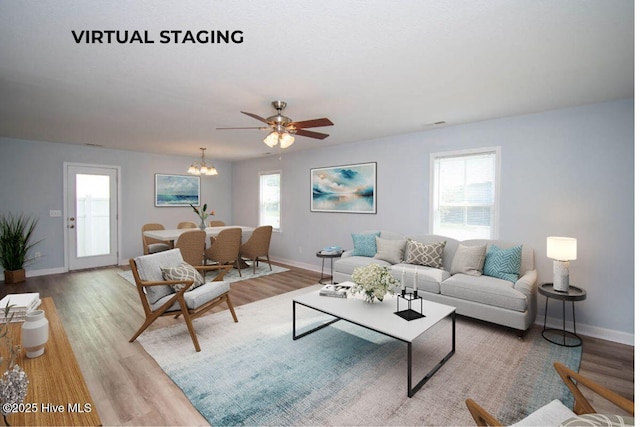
391	251
468	260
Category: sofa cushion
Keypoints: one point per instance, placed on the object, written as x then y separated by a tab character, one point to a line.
184	271
346	265
468	260
427	279
485	290
390	250
422	254
503	263
364	244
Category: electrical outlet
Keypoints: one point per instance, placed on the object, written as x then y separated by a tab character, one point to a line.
55	213
37	254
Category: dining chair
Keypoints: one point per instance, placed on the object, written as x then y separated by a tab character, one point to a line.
224	250
191	244
176	295
187	224
216	223
555	413
151	245
257	246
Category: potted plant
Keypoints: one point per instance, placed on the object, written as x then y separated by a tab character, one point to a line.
16	240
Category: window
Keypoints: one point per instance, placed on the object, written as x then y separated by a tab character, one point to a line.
464	193
270	199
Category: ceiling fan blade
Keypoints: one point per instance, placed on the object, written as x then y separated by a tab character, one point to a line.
257	127
255	116
311	134
315	123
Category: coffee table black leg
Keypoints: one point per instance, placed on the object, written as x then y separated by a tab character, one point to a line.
304	334
413	390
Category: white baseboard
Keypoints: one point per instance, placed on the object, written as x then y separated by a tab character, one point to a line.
43	272
305	266
588	330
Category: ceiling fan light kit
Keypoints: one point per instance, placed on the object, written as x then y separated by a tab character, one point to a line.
283	128
201	167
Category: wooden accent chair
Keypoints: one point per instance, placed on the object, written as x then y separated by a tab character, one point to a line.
555	413
257	246
158	298
225	248
191	245
151	245
187	224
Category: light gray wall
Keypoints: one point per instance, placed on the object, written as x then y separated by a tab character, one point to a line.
566	172
31	181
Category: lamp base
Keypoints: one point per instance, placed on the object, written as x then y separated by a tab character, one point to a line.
561	276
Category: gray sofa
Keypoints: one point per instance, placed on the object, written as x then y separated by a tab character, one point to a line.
510	302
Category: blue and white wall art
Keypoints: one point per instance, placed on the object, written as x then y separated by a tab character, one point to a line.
349	188
177	190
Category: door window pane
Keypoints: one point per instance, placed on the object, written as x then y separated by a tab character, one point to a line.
92	210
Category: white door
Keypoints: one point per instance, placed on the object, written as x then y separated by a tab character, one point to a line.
91	216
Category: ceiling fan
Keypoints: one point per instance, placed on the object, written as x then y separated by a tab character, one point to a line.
283	128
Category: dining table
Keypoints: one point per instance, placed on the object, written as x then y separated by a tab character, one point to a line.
171	235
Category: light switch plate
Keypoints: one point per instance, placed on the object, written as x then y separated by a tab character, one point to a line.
55	213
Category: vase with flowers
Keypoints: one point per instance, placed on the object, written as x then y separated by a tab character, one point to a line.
202	214
374	281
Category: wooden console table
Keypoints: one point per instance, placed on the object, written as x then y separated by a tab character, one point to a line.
57	393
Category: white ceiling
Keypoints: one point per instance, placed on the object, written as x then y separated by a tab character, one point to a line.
375	68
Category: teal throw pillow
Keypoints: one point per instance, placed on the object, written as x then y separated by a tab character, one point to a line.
365	244
503	263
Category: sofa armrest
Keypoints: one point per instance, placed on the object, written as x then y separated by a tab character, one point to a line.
346	254
527	283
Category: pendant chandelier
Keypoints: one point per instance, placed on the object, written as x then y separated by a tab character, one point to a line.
201	167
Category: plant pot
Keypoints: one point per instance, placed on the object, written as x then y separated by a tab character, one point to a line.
35	333
14	276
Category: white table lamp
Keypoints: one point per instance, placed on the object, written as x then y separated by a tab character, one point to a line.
561	250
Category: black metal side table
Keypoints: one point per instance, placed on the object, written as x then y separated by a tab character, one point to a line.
324	256
573	294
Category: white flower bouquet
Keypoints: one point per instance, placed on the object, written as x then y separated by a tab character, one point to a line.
374	281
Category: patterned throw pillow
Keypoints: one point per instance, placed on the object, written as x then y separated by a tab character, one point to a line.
364	244
503	263
183	271
425	254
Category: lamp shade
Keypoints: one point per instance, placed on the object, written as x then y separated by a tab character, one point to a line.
562	248
272	139
286	140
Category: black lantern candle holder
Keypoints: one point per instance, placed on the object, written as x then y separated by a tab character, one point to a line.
409	313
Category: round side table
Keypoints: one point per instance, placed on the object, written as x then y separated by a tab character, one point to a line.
324	256
573	294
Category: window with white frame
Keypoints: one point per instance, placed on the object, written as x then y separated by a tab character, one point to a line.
464	193
270	199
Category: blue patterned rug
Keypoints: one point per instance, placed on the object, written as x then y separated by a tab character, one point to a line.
253	373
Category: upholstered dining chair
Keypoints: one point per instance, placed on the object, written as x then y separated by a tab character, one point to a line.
555	413
224	250
187	224
256	248
151	245
215	223
183	292
191	244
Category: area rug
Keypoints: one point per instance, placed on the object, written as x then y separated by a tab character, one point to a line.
231	276
253	373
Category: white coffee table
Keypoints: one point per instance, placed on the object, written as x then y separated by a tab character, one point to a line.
381	317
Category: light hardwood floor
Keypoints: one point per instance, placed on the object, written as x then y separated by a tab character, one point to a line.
100	312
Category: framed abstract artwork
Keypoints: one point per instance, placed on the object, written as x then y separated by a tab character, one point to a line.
177	190
349	188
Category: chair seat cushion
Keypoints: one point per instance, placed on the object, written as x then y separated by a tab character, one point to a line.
197	297
158	247
149	268
551	414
